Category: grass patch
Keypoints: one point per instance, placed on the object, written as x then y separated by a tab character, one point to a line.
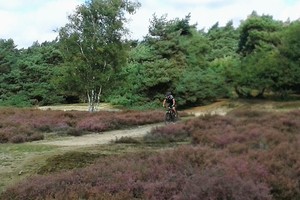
18	161
67	161
24	148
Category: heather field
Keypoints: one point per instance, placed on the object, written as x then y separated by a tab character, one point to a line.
249	153
25	125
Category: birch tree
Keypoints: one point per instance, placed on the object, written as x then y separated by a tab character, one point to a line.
93	45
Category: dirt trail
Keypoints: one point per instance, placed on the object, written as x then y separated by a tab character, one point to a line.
219	108
101	138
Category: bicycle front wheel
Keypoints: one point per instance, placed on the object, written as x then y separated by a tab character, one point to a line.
168	118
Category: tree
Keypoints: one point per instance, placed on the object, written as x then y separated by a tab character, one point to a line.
37	66
223	56
258	31
159	62
176	46
8	60
223	41
93	46
27	73
288	59
172	57
258	73
258	44
200	86
8	53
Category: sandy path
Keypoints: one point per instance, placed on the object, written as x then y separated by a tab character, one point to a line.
101	138
218	108
109	136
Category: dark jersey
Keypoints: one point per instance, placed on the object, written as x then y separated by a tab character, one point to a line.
169	99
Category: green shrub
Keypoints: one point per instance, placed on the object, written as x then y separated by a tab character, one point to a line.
16	101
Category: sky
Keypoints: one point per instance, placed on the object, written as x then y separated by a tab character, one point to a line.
28	21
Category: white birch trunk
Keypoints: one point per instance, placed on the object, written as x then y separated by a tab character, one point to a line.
94	99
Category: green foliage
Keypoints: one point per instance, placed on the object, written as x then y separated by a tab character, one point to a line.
170	51
258	32
37	65
223	41
28	81
288	59
258	46
8	57
259	72
200	87
18	100
8	53
91	59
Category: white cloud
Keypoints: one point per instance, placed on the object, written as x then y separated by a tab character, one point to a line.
33	20
207	12
27	21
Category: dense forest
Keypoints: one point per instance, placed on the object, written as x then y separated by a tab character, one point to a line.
91	61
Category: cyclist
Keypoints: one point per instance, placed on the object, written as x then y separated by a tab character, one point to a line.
171	101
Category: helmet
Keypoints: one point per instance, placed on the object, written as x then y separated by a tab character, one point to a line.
168	94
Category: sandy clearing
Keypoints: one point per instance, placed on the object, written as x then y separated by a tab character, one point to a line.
79	107
217	108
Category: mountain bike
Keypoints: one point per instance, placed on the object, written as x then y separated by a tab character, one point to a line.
170	116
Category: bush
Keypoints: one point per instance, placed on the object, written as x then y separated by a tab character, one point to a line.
74	132
127	140
35	137
16	101
18	138
170	133
216	183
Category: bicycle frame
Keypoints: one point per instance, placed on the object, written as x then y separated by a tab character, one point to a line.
170	115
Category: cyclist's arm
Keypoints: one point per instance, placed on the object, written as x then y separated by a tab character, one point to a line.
174	102
164	102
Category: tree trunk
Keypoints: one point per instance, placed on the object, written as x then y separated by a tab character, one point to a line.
261	93
94	99
241	93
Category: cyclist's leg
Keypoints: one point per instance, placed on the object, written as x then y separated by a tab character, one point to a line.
175	111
